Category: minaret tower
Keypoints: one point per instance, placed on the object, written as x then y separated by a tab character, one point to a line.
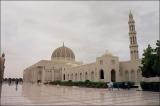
133	40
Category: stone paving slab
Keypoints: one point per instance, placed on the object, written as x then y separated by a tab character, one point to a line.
33	94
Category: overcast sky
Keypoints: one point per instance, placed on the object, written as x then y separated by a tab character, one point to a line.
32	30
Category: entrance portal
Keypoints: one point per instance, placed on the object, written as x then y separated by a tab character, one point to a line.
113	75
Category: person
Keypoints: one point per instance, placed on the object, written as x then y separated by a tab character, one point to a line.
127	86
38	82
111	85
16	84
9	82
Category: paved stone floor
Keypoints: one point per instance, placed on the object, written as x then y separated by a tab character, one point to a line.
33	94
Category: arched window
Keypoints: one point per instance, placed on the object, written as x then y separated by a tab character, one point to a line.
133	40
80	76
68	76
130	28
101	74
92	76
39	76
76	76
72	76
113	75
135	54
86	76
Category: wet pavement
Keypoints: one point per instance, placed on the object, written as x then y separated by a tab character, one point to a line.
33	94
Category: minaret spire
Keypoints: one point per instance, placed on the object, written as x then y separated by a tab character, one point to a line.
133	40
130	14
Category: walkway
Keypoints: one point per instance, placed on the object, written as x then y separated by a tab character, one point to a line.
33	94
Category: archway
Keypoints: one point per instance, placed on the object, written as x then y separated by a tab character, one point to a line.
86	76
80	76
72	76
126	76
113	75
101	74
76	77
39	79
92	76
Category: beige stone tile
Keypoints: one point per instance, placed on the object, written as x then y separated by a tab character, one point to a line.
52	95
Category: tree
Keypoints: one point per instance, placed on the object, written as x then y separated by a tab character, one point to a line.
156	66
151	61
147	63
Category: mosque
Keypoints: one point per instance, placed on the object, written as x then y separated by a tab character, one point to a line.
106	68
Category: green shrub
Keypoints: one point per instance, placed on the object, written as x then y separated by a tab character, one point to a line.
150	86
90	84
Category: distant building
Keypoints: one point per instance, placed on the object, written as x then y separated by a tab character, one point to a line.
106	68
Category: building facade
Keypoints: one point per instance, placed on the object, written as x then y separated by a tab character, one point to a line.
106	68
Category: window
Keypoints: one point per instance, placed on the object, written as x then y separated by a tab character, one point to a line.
68	76
80	76
72	76
101	62
86	76
76	76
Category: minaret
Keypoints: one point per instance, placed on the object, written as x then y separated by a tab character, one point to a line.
133	40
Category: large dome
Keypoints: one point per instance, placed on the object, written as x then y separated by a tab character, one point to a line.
63	53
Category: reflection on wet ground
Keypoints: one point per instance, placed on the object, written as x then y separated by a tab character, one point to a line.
33	94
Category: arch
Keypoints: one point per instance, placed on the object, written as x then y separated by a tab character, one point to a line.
72	76
133	40
132	75
101	74
92	76
135	54
39	79
80	76
76	77
113	75
68	76
126	76
64	77
86	76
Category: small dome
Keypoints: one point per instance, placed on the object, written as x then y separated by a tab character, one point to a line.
63	53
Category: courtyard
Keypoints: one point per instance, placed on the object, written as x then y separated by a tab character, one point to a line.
34	94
